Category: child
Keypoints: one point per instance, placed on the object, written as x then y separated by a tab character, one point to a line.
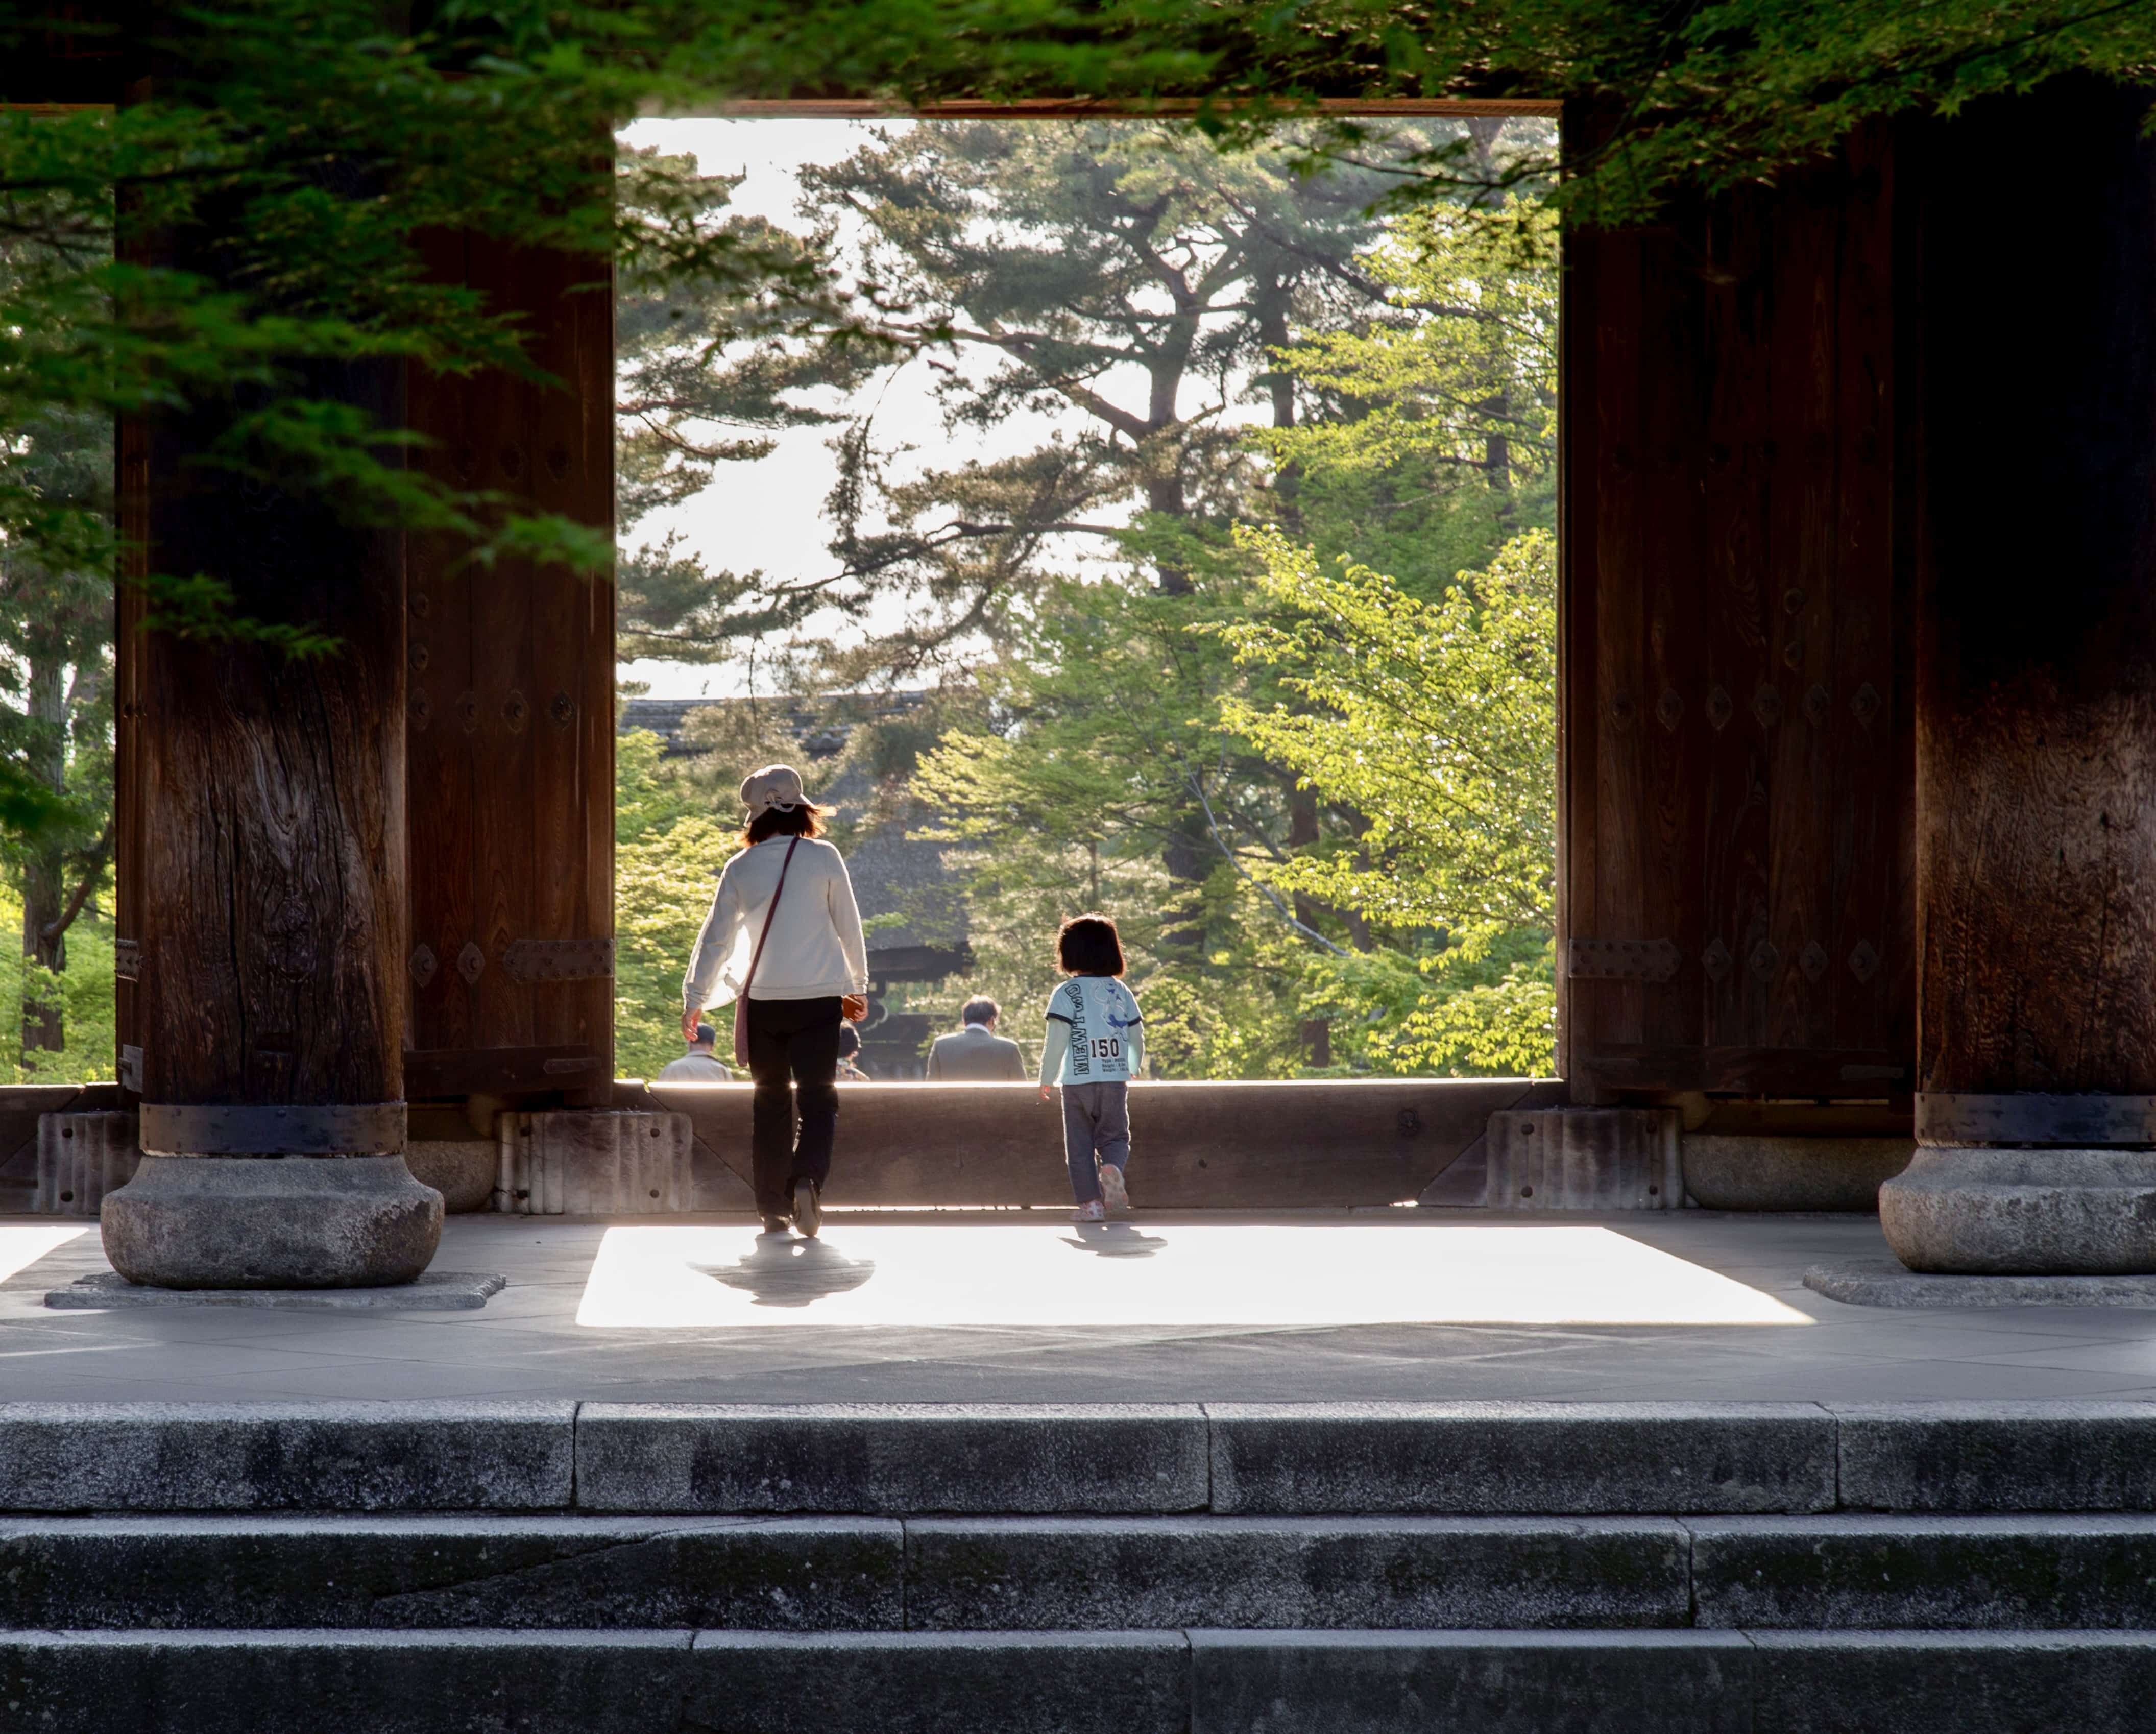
849	1055
1095	1044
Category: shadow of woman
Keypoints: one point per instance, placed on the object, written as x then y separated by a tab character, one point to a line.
785	1272
1113	1240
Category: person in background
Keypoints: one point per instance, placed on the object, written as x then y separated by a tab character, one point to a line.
1095	1046
976	1054
850	1055
700	1065
783	941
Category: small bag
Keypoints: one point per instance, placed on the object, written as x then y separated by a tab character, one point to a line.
741	999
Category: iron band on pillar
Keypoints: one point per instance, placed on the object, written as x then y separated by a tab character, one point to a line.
339	1129
2024	1119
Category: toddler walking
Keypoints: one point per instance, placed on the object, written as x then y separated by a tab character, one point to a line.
1095	1044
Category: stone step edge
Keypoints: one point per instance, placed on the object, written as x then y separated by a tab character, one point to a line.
1317	1459
631	1526
1194	1681
468	1637
1040	1574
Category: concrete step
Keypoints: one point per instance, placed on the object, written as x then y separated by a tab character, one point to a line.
1856	1572
400	1572
1074	1574
2043	1573
1776	1569
1288	1459
1206	1682
837	1574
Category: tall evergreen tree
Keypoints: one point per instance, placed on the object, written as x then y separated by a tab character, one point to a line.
1125	277
56	622
1422	425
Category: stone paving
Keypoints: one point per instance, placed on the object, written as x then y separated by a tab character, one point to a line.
1021	1306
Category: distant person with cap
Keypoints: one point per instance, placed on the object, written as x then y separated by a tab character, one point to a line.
783	941
976	1054
700	1065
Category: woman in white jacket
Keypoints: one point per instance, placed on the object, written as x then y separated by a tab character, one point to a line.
813	974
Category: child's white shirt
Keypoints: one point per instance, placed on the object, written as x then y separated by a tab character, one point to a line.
1103	1032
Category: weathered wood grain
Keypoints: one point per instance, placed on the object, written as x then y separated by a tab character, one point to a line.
1730	590
1727	591
2036	693
512	823
264	841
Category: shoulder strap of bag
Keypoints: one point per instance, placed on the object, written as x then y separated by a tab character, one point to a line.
770	911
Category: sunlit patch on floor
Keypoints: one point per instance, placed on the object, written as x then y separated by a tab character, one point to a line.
20	1248
1147	1274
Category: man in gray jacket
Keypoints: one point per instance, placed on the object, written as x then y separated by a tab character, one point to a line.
976	1054
700	1065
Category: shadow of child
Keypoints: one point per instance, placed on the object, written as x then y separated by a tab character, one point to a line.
1113	1240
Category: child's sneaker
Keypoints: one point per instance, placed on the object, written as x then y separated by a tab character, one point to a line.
1114	1194
1090	1211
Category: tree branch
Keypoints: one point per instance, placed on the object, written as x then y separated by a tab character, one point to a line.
93	870
1270	895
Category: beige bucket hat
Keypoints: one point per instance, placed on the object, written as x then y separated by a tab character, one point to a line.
775	786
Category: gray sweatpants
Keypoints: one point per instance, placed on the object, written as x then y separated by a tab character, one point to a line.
1096	1122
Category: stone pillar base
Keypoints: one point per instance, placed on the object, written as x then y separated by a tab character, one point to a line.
2016	1213
255	1222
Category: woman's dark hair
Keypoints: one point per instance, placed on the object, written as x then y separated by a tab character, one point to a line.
849	1041
806	820
1089	944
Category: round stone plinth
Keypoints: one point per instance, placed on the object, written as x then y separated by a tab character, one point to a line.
463	1171
289	1222
2024	1212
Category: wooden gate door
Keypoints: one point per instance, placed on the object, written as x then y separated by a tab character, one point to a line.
1737	784
510	729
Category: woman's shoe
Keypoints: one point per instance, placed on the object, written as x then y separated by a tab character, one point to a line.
1113	1193
774	1225
1090	1211
808	1208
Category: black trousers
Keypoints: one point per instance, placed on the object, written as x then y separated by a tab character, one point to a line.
793	1041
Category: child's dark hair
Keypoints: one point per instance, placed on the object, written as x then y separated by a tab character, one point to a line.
805	820
1090	945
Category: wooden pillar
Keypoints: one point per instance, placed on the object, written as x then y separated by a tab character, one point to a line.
388	871
2035	362
262	885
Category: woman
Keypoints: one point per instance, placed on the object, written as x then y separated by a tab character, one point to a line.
805	967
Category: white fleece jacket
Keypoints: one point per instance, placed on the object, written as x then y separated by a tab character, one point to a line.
815	949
